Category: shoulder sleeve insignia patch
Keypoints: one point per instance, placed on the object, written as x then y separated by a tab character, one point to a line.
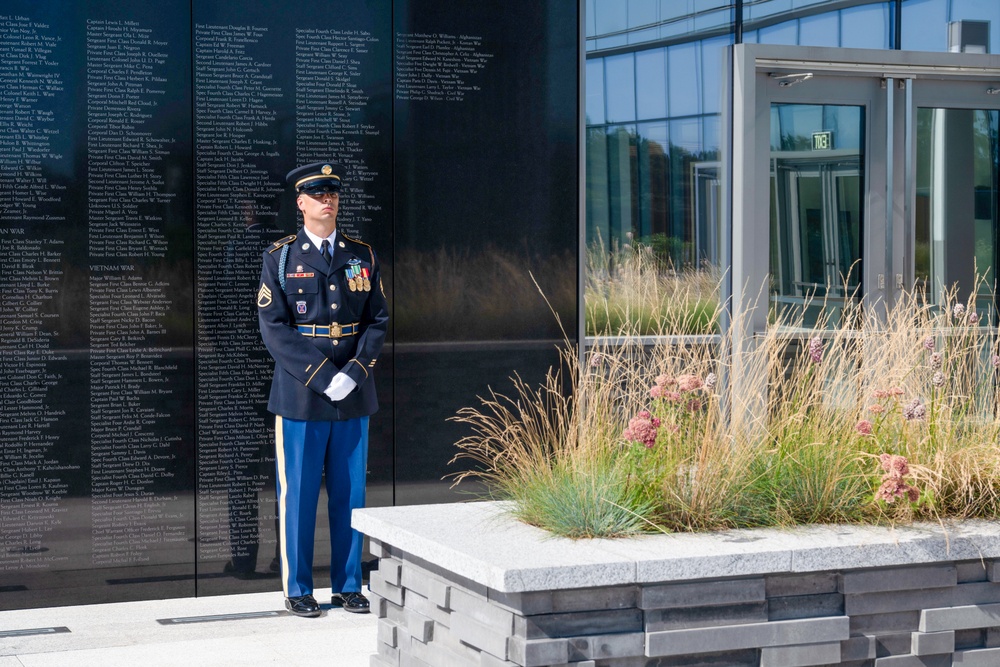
263	296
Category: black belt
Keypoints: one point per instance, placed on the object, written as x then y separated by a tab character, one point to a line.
333	331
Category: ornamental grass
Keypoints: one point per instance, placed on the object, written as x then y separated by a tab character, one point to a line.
891	419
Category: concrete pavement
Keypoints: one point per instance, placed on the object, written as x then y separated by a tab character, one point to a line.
238	630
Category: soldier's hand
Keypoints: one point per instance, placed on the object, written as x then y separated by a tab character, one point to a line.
340	386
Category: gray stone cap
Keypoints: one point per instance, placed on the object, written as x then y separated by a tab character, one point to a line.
482	542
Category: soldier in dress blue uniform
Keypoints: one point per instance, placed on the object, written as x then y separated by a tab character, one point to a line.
323	317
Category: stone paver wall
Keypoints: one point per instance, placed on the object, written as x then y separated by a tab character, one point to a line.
928	615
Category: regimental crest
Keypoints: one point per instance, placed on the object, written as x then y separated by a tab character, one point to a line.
300	307
263	296
327	170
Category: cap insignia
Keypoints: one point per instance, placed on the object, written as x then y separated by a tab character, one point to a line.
327	169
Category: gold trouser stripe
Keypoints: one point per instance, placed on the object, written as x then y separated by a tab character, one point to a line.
279	451
314	372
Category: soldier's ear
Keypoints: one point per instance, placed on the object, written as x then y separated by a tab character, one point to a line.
298	202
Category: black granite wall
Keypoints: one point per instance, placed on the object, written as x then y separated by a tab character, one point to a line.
142	153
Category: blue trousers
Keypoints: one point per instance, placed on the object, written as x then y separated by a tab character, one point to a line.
304	450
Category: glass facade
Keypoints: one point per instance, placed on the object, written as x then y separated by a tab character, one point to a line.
654	114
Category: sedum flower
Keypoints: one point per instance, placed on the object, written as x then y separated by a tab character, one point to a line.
876	409
864	427
893	486
664	380
642	428
886	393
689	382
894	464
659	390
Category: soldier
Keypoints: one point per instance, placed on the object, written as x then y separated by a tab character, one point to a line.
323	317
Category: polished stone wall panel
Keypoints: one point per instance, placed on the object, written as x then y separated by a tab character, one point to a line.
142	155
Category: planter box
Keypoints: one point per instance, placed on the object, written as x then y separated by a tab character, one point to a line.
466	585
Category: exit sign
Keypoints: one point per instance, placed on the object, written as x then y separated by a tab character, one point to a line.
823	141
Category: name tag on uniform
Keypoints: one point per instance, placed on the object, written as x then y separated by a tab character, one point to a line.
300	275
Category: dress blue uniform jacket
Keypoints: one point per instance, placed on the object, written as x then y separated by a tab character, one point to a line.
317	292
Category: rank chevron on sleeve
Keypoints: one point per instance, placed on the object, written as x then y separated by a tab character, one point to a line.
263	296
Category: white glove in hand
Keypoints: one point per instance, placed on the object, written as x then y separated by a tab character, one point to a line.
340	386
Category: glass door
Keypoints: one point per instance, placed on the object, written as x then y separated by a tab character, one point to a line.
825	155
953	197
817	211
861	175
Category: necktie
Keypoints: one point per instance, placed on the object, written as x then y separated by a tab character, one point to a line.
324	250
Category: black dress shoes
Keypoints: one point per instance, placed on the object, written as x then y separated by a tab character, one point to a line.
355	603
304	605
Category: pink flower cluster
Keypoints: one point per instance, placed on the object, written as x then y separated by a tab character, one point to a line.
684	383
689	382
864	427
659	391
893	486
816	349
642	428
886	393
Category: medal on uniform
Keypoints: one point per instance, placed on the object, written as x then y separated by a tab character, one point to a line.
353	272
367	281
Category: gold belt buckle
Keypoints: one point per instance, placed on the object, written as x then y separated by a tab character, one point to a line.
335	330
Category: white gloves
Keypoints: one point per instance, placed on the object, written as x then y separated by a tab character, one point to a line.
340	386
